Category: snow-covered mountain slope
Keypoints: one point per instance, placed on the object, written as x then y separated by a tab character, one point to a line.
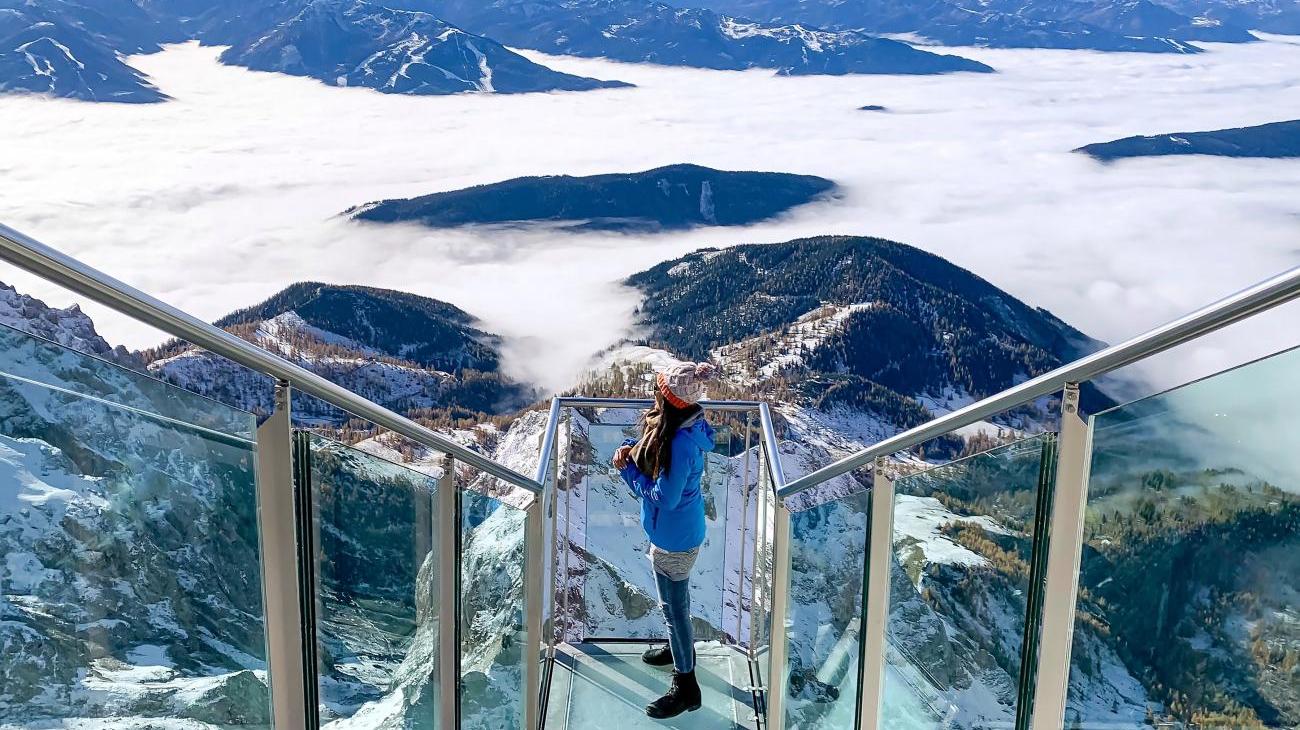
361	43
41	52
401	385
390	347
750	361
656	32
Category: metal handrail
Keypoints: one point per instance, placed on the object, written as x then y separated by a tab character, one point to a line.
33	256
708	405
1267	294
561	402
772	449
548	440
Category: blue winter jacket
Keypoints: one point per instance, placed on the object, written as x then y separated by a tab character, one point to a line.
672	507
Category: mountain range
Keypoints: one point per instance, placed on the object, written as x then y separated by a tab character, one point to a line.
1275	140
76	48
72	49
358	43
672	197
1161	26
656	32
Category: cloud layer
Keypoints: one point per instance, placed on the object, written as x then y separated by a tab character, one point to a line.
227	194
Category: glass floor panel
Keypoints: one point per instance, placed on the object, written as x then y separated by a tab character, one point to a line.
605	685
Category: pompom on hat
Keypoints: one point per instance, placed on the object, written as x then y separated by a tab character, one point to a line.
682	385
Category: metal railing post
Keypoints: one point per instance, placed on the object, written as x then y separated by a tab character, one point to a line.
549	499
880	557
534	596
1064	551
281	580
777	676
744	536
565	589
448	679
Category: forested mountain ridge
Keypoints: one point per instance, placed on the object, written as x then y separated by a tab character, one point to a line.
1276	140
409	353
670	197
426	331
884	311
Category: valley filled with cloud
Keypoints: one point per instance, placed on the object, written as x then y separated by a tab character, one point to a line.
232	190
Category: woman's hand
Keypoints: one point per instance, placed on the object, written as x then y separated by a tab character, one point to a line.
622	456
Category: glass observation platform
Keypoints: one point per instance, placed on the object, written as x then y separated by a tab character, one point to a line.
172	562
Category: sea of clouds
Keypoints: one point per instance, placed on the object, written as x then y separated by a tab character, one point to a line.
231	191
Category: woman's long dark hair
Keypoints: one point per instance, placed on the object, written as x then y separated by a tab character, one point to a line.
653	453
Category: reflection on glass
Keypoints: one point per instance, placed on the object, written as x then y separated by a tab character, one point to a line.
24	357
130	582
1189	612
828	549
963	542
377	599
619	595
492	603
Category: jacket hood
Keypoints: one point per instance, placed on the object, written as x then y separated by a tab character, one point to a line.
699	432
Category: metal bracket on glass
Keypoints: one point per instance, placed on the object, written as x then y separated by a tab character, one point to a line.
875	599
777	670
1063	554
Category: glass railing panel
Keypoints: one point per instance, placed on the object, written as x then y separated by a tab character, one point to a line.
741	539
493	607
828	552
619	597
1188	613
963	546
24	356
376	570
130	583
760	626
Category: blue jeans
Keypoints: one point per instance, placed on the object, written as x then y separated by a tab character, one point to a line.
675	600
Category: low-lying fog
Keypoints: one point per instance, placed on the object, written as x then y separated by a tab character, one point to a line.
221	197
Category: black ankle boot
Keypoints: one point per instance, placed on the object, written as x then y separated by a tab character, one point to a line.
683	696
658	656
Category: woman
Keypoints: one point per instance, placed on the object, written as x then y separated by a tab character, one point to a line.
664	468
